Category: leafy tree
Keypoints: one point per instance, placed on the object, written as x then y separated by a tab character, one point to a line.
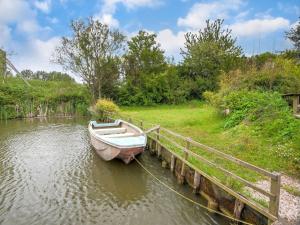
294	36
27	74
93	53
143	64
208	53
144	56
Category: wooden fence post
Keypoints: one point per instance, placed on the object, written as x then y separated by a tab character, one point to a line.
158	147
275	190
185	156
197	180
172	166
295	104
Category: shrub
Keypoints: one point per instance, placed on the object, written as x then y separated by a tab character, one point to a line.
269	114
280	74
105	106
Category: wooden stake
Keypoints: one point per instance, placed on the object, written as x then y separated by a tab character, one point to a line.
197	180
172	163
238	207
275	190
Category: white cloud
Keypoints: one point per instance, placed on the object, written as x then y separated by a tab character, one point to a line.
44	6
256	27
109	6
36	54
171	42
108	19
28	26
200	12
5	35
106	14
14	11
18	12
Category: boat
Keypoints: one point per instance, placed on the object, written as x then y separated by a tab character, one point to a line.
119	139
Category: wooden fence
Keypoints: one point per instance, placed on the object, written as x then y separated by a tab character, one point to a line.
185	151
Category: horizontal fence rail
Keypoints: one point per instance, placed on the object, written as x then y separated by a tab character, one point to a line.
155	133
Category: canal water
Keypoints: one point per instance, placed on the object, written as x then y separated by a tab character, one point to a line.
49	174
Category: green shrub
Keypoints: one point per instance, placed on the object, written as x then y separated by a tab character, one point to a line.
106	106
269	114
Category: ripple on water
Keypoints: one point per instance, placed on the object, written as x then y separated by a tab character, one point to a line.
50	175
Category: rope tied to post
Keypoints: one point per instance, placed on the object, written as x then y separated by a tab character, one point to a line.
188	199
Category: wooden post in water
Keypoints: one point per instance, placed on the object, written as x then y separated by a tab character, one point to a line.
158	147
238	208
275	190
197	179
185	156
172	166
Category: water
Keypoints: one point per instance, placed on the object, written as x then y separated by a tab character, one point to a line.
49	174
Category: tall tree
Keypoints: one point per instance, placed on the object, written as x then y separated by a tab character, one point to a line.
207	53
143	63
144	57
294	36
92	52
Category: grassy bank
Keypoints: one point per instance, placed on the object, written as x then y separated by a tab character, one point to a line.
42	98
204	124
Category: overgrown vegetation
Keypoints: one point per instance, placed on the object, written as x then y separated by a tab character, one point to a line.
104	108
42	98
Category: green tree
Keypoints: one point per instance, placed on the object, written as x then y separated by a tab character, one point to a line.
143	64
208	53
294	36
92	52
144	57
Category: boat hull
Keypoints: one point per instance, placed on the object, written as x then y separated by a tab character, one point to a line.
108	152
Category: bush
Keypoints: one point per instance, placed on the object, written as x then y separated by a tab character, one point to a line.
269	114
106	106
280	74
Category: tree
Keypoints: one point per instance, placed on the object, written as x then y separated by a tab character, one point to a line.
144	57
27	74
144	61
208	53
294	36
93	53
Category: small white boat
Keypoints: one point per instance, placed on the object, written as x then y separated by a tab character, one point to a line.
120	139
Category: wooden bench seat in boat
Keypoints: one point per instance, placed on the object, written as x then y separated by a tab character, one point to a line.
111	131
120	135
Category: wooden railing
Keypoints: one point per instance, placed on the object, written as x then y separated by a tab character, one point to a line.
186	147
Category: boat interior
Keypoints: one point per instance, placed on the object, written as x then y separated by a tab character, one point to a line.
115	130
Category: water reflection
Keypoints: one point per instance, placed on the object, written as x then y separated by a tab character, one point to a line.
49	174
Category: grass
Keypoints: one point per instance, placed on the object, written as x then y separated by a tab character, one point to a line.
292	190
205	125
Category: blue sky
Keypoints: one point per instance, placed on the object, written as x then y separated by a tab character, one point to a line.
30	29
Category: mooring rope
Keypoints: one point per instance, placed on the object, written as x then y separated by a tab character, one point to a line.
188	199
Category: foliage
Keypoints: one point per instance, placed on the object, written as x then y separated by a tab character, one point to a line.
294	36
42	98
47	76
106	105
93	53
208	53
164	87
104	108
281	75
148	79
268	112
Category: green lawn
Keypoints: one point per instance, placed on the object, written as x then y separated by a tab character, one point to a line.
202	123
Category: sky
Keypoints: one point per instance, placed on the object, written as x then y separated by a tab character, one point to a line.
31	29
